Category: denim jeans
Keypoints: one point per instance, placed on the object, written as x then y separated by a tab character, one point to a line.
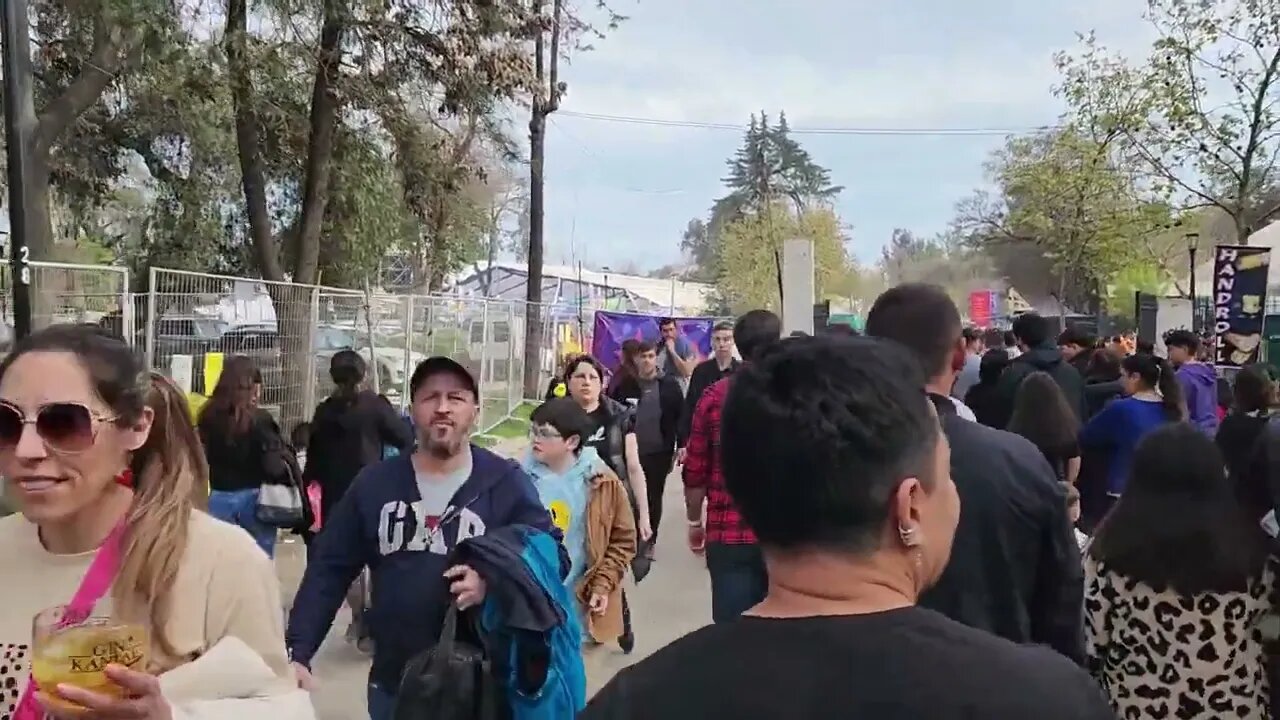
240	507
381	703
739	580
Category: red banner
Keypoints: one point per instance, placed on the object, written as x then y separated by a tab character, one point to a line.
980	310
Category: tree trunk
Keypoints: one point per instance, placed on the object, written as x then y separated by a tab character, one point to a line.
109	56
249	145
293	314
546	100
533	286
324	121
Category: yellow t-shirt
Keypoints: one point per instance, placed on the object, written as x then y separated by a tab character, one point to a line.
226	586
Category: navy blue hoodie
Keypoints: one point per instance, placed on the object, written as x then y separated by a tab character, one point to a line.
376	525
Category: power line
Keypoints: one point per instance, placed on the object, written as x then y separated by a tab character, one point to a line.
904	131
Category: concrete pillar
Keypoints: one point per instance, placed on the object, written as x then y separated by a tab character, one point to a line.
798	286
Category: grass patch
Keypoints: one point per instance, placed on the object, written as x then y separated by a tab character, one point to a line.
484	441
510	429
524	410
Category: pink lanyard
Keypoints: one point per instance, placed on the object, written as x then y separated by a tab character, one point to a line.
94	585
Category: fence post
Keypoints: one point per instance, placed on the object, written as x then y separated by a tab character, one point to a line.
152	279
128	313
408	353
512	381
309	382
484	344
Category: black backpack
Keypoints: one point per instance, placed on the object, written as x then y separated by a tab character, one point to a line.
453	680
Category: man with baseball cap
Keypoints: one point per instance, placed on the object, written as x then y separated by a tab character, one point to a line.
402	518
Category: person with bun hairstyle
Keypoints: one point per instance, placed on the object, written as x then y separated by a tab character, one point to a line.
103	463
1153	397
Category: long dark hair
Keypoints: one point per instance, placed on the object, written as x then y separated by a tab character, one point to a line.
1158	375
230	408
1253	391
627	361
1179	525
169	470
1041	414
347	370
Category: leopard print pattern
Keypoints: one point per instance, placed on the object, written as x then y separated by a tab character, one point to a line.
1161	655
14	666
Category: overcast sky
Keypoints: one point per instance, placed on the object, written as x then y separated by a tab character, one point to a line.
620	193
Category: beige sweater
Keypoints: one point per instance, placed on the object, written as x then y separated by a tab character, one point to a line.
226	588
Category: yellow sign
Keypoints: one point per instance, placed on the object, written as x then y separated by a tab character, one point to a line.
212	371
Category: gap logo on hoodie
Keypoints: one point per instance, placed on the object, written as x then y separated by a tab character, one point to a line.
431	511
409	527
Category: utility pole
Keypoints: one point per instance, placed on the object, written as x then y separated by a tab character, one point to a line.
545	100
20	129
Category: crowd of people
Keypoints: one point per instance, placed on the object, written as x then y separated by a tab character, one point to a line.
928	521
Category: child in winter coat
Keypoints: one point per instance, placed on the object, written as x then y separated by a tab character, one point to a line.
589	505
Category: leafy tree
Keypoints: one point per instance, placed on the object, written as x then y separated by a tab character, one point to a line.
749	246
944	261
1061	199
769	166
1197	120
85	48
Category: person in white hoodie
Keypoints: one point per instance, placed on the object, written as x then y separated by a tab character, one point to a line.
104	467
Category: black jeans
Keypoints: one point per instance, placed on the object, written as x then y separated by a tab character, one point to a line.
656	466
739	580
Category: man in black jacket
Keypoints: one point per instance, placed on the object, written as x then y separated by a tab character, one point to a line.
658	400
720	365
1015	566
1039	354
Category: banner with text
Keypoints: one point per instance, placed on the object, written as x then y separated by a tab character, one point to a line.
613	328
1239	302
983	308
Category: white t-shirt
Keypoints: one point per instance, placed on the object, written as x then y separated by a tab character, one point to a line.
963	410
225	586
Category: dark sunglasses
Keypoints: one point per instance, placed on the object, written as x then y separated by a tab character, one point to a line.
64	427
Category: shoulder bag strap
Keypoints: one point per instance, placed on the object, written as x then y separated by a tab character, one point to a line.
93	586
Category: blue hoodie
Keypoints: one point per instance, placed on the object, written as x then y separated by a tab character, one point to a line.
565	496
1200	389
375	525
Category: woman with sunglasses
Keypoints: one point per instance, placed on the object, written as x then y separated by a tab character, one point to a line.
244	447
102	462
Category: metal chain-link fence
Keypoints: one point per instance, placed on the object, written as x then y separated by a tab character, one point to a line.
194	321
71	293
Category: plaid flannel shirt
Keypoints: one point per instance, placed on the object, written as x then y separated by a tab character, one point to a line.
702	469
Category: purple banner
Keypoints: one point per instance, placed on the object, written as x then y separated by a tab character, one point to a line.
612	329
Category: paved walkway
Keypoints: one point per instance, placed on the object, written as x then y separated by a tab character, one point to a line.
673	600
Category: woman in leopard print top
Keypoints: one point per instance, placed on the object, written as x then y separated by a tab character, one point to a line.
1176	581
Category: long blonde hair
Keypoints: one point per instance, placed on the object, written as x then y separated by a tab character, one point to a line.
170	473
169	470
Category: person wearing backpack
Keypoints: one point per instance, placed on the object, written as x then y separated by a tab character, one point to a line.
402	518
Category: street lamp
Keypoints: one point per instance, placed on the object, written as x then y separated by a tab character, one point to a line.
1193	243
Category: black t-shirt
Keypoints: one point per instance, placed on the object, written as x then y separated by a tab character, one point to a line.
908	664
597	434
1059	456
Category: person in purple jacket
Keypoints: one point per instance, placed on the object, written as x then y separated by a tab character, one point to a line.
1198	380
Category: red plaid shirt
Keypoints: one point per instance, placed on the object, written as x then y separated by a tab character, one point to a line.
702	470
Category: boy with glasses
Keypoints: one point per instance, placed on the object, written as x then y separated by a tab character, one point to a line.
589	505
